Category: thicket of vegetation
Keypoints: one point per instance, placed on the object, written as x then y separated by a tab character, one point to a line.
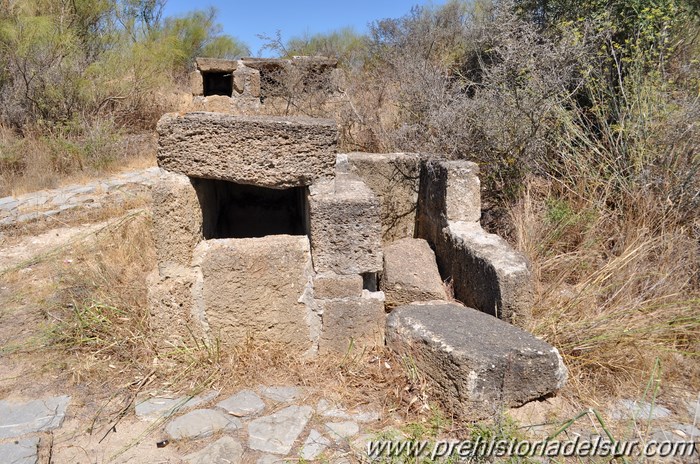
77	76
582	114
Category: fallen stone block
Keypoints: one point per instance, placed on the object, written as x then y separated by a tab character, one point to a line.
255	287
394	180
352	323
332	285
345	227
177	219
487	274
264	151
476	363
410	273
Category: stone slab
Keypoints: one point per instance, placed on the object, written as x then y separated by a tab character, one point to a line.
243	403
341	431
352	323
152	409
24	451
281	393
345	227
264	151
476	363
177	219
277	433
410	273
332	285
394	180
255	287
225	450
34	416
314	445
201	423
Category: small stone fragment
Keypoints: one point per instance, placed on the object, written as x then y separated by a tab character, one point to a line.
201	423
314	445
340	431
225	450
243	403
277	433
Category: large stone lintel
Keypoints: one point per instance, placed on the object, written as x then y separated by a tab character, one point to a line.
272	152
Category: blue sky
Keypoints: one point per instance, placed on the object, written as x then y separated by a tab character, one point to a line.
245	19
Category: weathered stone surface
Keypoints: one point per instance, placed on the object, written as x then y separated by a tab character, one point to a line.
410	273
151	409
332	285
196	83
246	81
345	227
314	445
487	274
243	403
265	151
352	323
394	180
225	450
477	363
171	305
256	287
277	433
25	451
35	416
270	459
201	423
215	64
639	410
340	431
281	393
177	219
326	409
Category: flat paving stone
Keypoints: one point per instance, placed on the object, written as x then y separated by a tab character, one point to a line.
326	409
25	451
277	432
281	394
201	423
270	459
34	416
630	409
225	450
155	408
314	445
244	403
340	431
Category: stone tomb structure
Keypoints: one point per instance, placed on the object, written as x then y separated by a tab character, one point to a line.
263	231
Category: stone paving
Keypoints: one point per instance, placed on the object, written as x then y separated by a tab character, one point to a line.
96	194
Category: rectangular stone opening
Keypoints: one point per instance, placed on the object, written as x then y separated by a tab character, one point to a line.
231	210
217	83
370	281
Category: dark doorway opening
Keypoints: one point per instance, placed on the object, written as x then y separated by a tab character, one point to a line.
218	83
233	210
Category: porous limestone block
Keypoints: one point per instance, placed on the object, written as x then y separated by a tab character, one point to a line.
258	287
196	83
477	364
487	273
332	285
215	64
449	191
352	323
394	180
246	81
171	306
177	219
267	151
345	227
410	273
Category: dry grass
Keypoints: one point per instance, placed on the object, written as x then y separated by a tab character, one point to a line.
618	289
41	159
